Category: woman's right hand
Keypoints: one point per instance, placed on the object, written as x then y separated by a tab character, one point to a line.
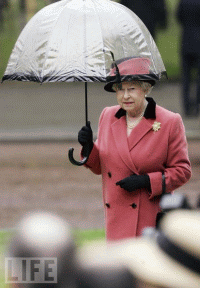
85	138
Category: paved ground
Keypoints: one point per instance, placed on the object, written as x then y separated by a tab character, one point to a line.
38	175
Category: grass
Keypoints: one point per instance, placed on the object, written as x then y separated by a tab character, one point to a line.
85	236
5	237
168	40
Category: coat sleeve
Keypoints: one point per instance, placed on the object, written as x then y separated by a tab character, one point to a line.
93	162
177	168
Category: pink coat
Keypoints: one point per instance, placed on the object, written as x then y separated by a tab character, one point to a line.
116	156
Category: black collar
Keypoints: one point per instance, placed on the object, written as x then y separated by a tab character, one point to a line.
150	112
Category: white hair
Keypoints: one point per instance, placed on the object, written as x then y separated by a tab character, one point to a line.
146	86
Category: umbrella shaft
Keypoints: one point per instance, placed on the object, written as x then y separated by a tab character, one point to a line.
86	104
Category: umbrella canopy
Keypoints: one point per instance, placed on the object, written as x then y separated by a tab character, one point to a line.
72	40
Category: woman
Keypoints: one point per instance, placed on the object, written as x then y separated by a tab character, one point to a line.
139	145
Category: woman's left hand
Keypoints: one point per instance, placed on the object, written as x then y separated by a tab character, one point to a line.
135	182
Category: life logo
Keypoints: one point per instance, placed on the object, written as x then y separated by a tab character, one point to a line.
30	270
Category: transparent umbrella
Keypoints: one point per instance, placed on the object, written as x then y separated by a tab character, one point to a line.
77	40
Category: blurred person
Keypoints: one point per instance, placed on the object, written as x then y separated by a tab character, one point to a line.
3	4
170	257
47	2
141	151
188	15
22	11
22	5
152	13
41	235
31	8
27	9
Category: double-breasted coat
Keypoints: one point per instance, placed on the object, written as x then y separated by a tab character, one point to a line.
145	151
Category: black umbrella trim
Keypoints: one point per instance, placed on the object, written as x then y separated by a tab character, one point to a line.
33	78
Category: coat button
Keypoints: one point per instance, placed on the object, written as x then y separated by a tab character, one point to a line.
134	205
109	174
107	205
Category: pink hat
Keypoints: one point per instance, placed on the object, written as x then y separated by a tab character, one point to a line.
131	69
133	66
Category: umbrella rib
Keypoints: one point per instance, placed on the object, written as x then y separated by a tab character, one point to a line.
101	36
48	48
121	37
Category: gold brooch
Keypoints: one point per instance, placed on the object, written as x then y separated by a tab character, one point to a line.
156	126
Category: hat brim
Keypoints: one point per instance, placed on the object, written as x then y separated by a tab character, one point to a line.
151	265
146	261
150	78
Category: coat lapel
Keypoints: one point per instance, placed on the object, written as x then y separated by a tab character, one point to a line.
121	141
139	131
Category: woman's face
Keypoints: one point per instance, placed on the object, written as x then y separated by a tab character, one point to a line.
131	97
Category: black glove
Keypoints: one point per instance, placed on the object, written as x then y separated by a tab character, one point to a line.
135	182
85	138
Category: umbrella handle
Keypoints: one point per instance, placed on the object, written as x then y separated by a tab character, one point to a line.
73	161
71	150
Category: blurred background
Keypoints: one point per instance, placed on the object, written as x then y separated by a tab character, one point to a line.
39	123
